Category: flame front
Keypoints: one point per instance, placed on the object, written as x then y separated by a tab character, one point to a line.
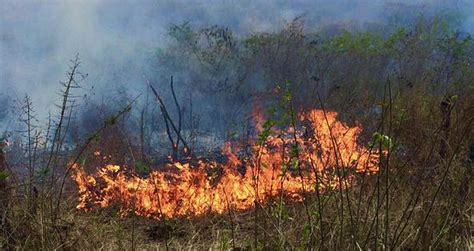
327	156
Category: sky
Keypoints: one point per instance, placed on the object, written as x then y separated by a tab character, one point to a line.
115	39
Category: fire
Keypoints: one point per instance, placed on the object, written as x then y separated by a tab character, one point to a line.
323	154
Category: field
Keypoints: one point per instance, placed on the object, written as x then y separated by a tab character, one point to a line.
335	139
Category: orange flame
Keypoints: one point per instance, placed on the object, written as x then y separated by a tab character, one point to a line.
324	154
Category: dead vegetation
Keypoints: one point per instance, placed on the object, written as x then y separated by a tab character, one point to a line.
411	90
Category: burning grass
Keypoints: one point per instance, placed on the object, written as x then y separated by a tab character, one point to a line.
324	155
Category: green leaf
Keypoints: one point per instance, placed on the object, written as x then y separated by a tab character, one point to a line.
43	172
4	175
306	231
141	168
295	163
82	161
382	139
294	150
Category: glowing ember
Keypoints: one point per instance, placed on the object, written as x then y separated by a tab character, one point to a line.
323	154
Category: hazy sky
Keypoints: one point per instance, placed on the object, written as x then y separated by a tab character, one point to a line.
114	38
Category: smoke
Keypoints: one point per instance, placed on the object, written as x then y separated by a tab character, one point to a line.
117	39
